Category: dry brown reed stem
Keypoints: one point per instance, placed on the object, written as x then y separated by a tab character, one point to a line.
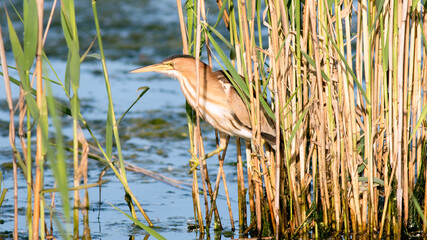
196	201
11	132
400	84
386	202
225	17
198	137
251	190
321	128
175	183
182	27
39	144
227	195
52	206
207	187
277	183
268	190
203	167
82	172
416	94
241	189
76	184
26	150
253	109
215	194
222	173
366	45
339	147
424	88
49	21
22	112
215	191
405	120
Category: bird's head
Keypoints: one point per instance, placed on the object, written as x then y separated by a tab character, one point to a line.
173	66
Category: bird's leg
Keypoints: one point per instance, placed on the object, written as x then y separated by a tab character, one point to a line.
223	140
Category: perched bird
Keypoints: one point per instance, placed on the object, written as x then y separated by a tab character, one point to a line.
219	103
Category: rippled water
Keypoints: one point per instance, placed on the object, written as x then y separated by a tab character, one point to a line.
154	132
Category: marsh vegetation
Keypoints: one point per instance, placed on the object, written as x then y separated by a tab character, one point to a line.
344	81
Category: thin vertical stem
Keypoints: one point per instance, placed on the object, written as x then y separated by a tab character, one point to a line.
11	133
241	190
182	27
39	144
400	76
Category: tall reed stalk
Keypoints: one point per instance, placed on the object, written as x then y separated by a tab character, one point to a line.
345	82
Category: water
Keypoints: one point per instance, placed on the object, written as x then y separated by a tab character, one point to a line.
154	132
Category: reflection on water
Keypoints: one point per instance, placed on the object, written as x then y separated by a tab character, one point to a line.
153	132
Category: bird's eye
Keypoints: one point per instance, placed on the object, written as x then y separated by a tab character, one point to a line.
171	64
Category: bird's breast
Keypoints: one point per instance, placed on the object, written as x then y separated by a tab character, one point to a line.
214	107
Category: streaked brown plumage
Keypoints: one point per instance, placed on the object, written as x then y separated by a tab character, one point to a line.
219	103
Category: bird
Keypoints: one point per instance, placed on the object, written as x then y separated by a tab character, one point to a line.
219	102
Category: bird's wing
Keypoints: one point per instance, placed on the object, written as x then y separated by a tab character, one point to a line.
241	112
238	107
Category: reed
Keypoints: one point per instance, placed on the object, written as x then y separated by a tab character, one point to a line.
345	82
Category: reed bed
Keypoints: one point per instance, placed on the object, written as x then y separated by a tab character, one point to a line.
345	82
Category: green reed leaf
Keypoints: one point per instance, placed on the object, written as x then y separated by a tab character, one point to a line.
375	180
422	118
30	32
417	207
144	90
18	53
221	13
3	192
219	35
22	70
191	23
296	128
238	82
58	162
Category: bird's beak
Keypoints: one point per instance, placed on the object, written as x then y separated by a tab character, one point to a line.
159	67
